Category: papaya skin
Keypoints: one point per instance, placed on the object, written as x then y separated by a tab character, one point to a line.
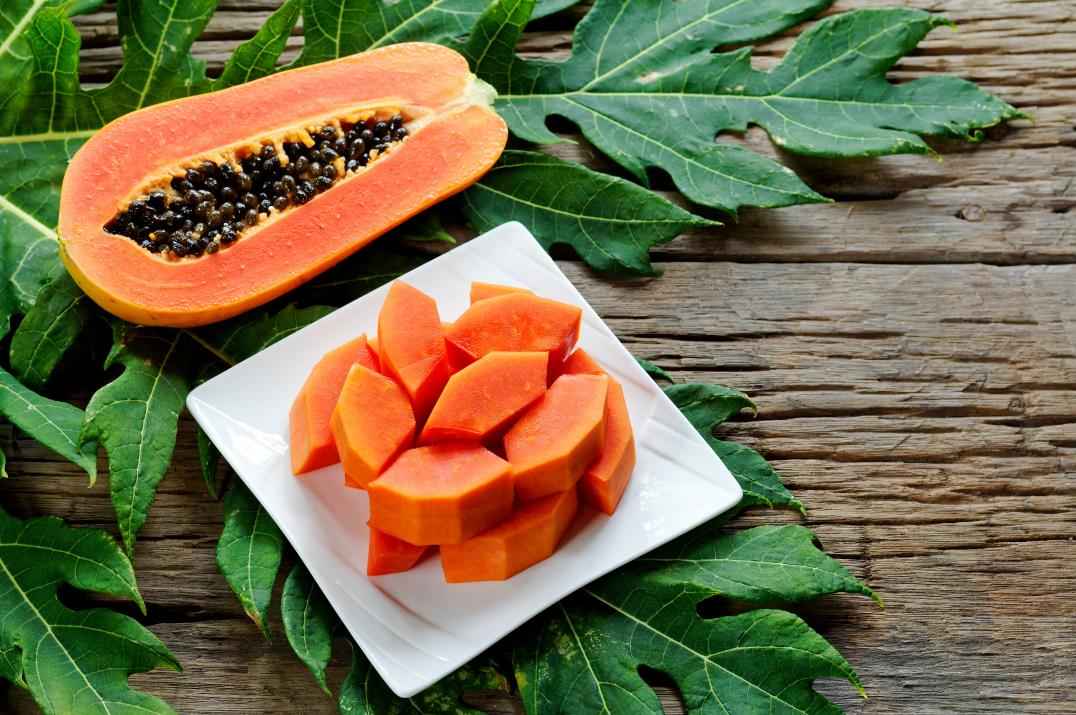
441	494
481	291
387	554
553	442
514	322
530	535
480	400
605	480
455	138
312	443
371	424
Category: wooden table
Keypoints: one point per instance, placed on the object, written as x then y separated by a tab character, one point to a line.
913	351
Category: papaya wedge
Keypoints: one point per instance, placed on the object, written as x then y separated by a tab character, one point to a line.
371	424
195	210
412	346
386	554
481	290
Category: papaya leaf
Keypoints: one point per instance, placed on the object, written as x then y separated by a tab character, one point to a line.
334	28
309	622
73	662
761	484
3	465
364	693
257	57
237	339
51	326
249	552
135	418
645	86
655	371
611	223
54	424
208	461
492	43
584	655
766	565
707	406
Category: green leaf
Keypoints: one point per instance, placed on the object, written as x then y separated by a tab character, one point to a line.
584	656
658	99
249	552
655	371
3	465
73	662
364	693
334	28
239	338
54	424
610	222
45	116
424	228
135	418
492	43
762	485
766	565
257	57
209	461
52	325
309	622
707	406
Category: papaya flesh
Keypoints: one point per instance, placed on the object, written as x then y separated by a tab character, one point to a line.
387	554
481	291
412	346
312	443
372	424
514	322
441	494
127	191
605	480
481	399
530	535
553	442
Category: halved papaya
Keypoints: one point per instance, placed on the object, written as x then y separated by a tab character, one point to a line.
412	345
387	554
605	480
481	291
441	494
195	210
482	398
312	444
514	322
372	424
530	535
554	441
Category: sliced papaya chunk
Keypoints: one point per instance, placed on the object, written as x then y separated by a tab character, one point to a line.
372	424
412	346
312	444
195	210
481	291
530	535
605	480
514	322
553	442
481	399
387	554
441	494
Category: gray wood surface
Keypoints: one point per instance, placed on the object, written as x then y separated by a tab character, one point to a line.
912	348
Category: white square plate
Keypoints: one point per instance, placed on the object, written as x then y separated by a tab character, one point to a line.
414	627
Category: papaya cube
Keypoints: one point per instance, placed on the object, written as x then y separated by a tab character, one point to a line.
481	291
312	444
530	535
605	480
482	398
411	345
372	424
441	494
387	554
553	442
515	322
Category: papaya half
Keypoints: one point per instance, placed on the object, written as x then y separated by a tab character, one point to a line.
195	210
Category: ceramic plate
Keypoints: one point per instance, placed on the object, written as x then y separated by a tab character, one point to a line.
414	627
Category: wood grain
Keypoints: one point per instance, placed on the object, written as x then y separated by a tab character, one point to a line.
912	347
